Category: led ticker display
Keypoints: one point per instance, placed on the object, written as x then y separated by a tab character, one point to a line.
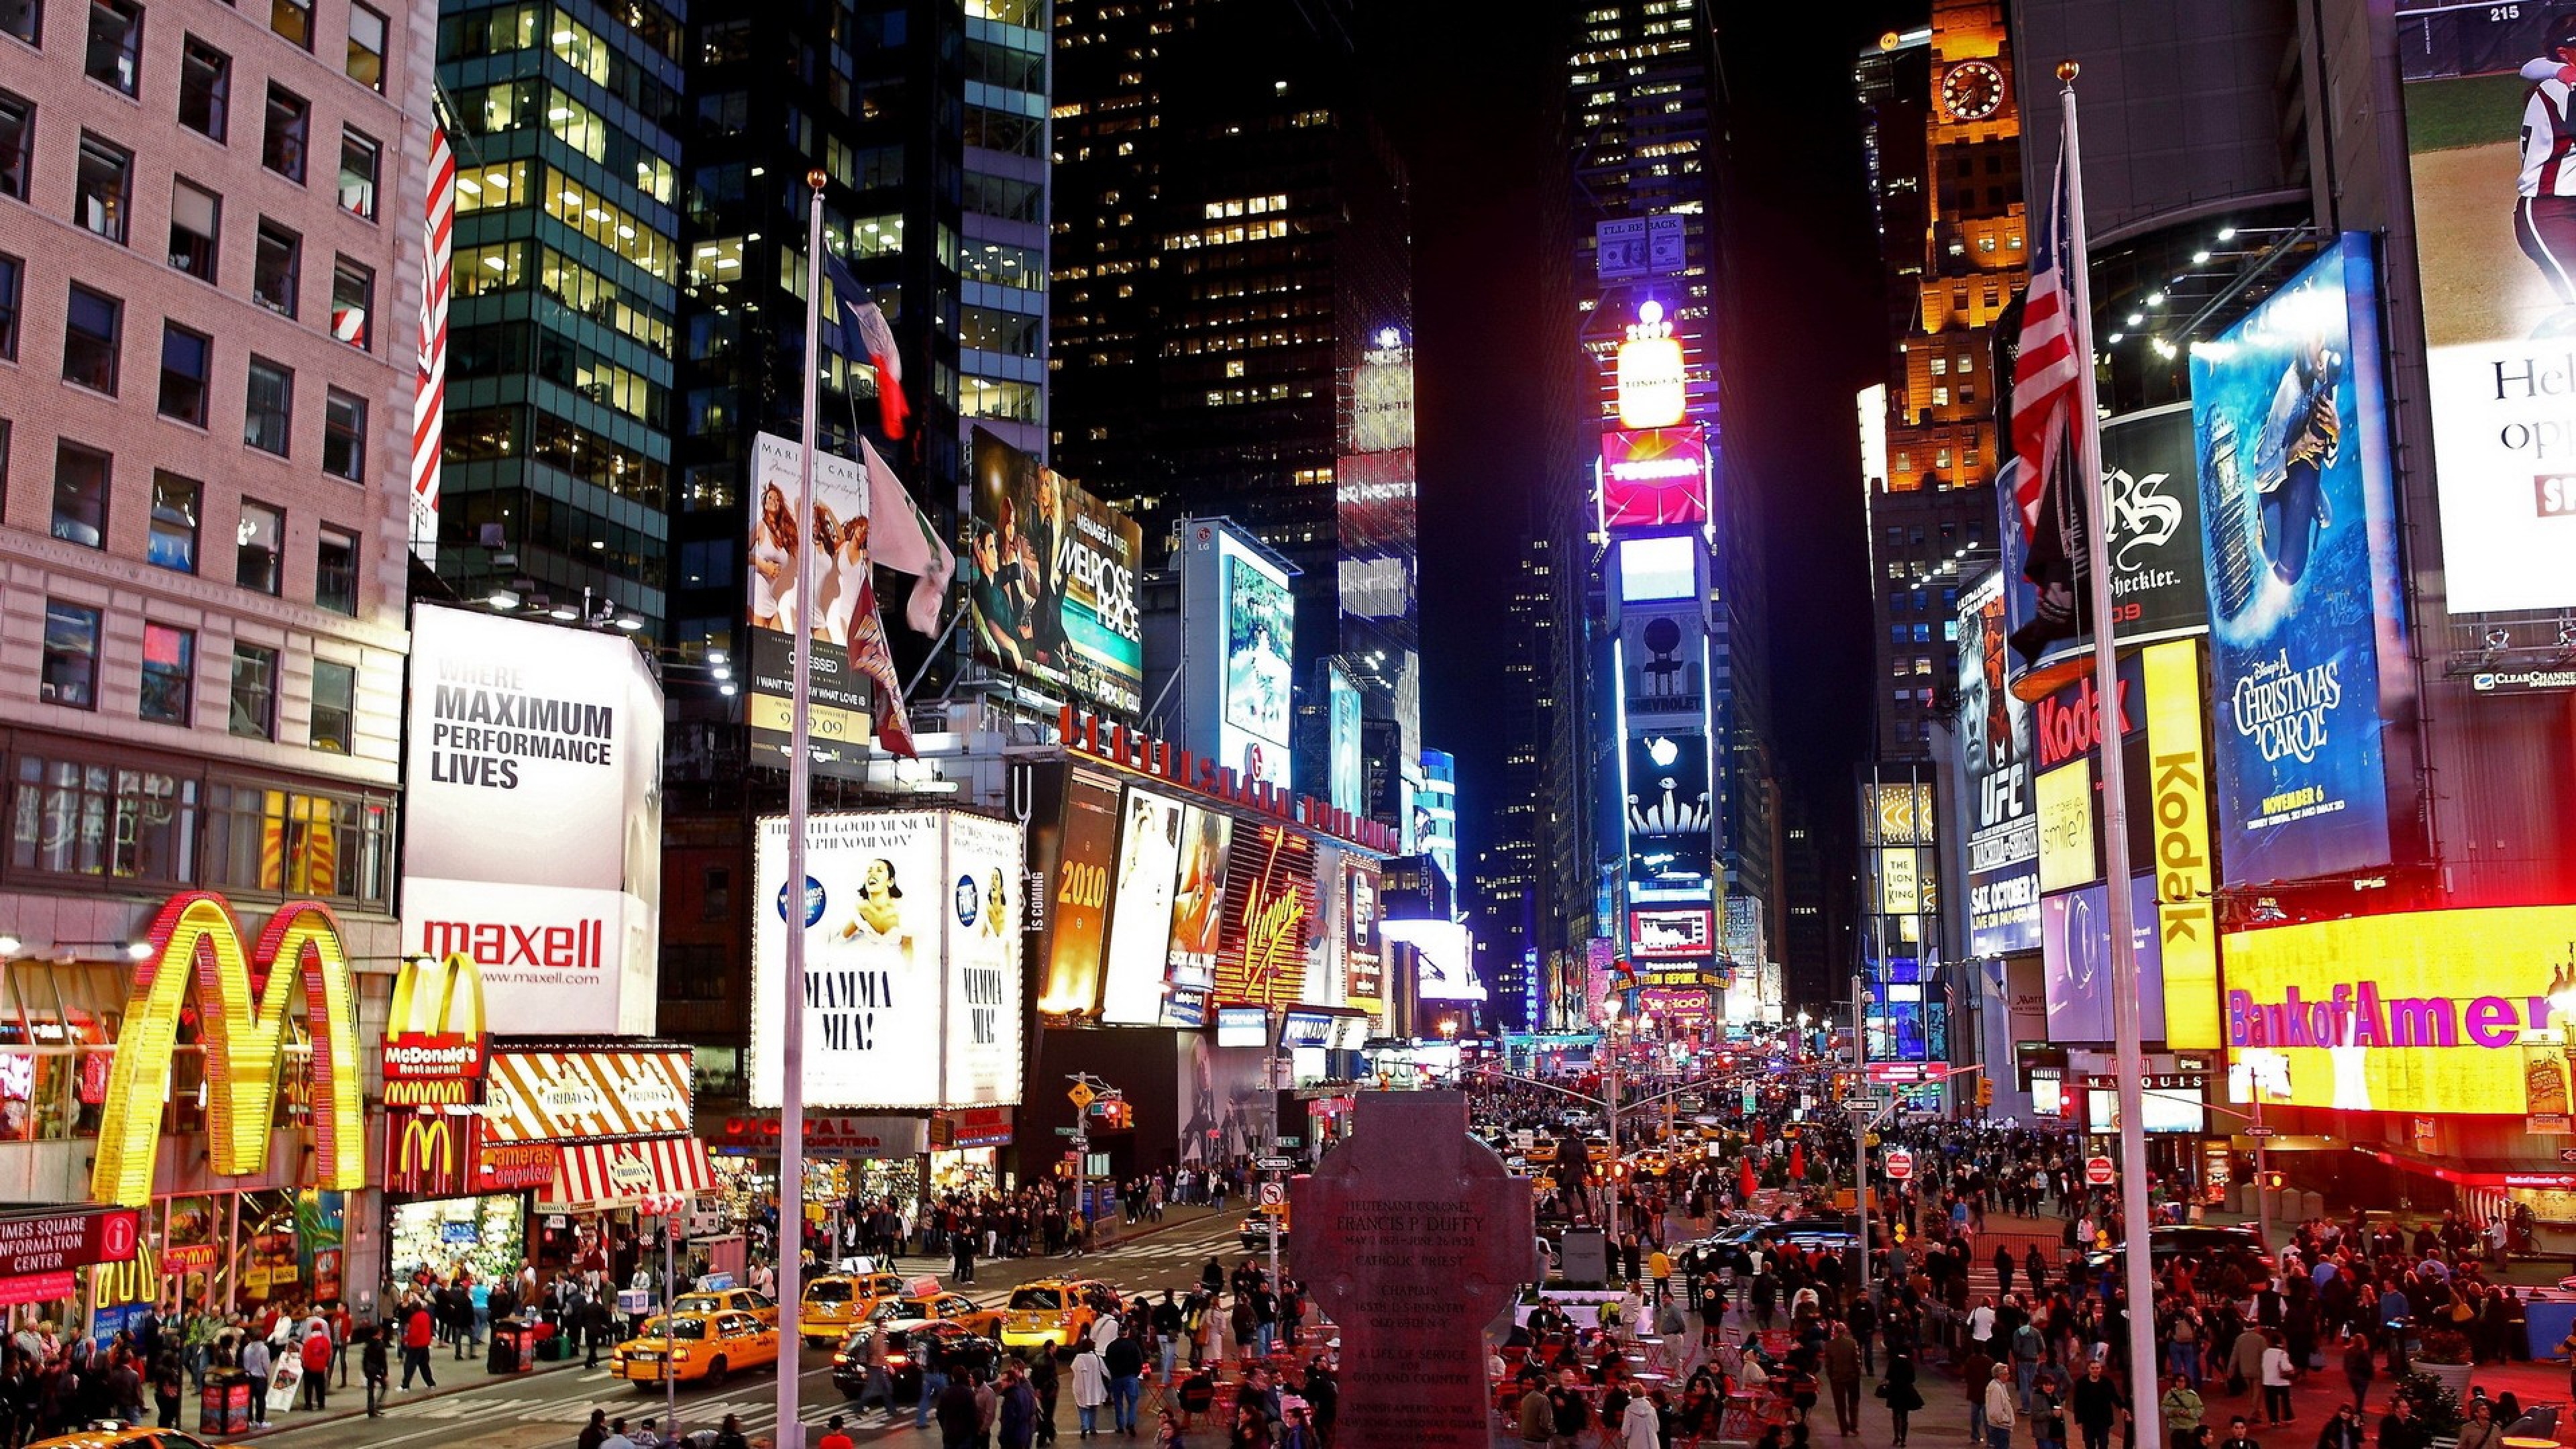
1243	1026
2419	1012
1654	476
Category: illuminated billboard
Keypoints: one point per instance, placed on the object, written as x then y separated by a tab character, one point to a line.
2498	295
2067	857
1051	581
1995	759
2178	784
533	843
2300	553
1654	383
1238	696
1670	809
1374	484
1661	651
2075	960
1076	864
1667	933
1654	476
1665	567
1198	911
1270	913
1362	955
1345	765
912	959
1140	916
2420	1012
821	549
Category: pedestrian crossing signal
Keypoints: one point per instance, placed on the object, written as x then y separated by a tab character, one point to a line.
1985	1093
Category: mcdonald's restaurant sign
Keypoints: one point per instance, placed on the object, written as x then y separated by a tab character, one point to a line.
430	1059
196	950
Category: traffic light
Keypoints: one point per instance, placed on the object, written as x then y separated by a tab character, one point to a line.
2272	1179
1985	1093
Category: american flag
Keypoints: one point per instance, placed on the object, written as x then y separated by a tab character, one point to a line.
2044	374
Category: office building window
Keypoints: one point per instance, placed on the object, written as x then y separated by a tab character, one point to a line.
335	572
289	126
175	501
344	435
196	229
275	268
100	187
268	413
254	691
115	55
80	494
93	327
71	656
12	272
353	302
205	89
366	63
335	705
24	19
258	563
169	673
360	158
187	368
292	19
17	142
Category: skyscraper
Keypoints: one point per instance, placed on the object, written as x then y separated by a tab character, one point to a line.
1232	316
563	320
1644	93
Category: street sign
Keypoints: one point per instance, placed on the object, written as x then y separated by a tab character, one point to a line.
55	1240
1068	1132
1288	1142
1273	1193
1082	1096
2275	1131
1865	1104
2098	1171
1907	1071
1900	1165
1275	1164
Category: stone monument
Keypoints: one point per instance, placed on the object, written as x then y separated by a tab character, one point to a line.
1412	1238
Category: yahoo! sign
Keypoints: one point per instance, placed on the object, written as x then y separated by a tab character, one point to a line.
2359	1014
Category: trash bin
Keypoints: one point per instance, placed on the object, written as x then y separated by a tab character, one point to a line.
513	1347
223	1406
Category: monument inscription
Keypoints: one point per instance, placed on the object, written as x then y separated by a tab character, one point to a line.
1413	1238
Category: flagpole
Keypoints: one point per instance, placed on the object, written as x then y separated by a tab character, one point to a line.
800	789
2126	1027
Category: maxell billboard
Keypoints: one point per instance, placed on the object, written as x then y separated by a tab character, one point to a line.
1995	755
533	839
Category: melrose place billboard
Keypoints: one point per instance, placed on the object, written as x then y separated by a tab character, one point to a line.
2307	639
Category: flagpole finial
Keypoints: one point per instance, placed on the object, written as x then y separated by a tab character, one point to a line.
2068	70
815	178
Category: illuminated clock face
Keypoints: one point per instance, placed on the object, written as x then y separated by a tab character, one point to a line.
1972	90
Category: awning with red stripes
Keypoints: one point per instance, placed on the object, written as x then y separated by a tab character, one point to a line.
590	1176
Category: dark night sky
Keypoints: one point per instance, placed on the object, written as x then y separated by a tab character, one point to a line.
1807	338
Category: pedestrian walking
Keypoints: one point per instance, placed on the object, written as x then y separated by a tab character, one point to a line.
1090	1387
1898	1390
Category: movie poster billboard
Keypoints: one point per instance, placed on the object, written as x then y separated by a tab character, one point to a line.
1140	918
1259	639
2300	553
829	548
2487	125
1347	775
1995	757
871	909
982	994
1076	865
1270	911
1051	581
2075	957
1198	915
533	842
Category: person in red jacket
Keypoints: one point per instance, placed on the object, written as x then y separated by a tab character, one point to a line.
419	1331
316	1354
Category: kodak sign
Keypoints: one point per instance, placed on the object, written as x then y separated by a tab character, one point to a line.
244	996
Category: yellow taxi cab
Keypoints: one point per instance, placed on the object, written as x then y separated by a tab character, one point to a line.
1653	1160
729	1300
694	1347
1541	1151
939	1307
1050	1309
131	1436
835	1303
1597	1148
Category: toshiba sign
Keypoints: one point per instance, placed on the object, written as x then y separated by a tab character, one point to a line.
533	844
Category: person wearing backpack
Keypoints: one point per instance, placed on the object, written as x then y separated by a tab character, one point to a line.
2029	1346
